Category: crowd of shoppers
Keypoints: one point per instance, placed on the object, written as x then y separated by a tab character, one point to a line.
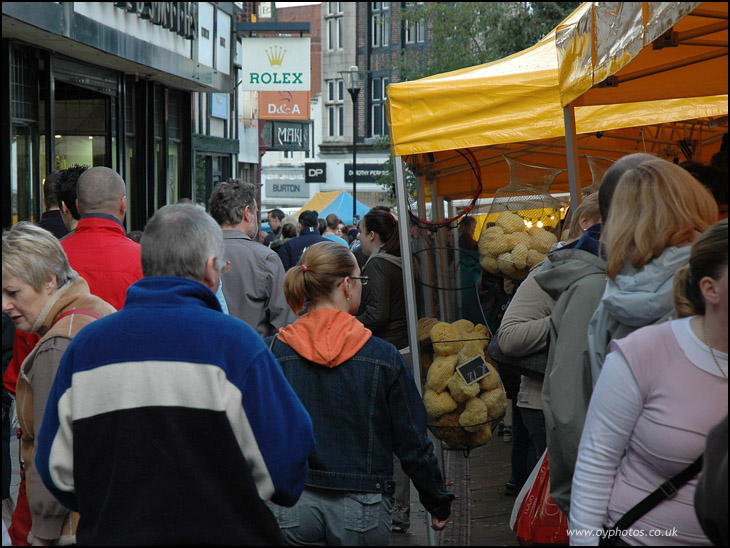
305	387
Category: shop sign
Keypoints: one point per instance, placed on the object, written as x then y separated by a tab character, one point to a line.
276	64
286	188
219	105
315	172
285	135
284	105
178	17
366	173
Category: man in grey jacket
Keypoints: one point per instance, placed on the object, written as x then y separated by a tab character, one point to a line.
254	286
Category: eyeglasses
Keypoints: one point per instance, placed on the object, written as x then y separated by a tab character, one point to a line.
363	279
226	267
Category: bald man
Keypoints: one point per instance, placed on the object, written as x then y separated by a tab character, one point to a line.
99	249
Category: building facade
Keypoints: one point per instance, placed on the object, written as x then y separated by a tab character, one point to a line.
374	37
145	88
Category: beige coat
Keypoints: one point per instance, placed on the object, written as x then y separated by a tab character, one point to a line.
50	519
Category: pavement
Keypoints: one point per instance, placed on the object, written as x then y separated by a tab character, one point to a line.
480	511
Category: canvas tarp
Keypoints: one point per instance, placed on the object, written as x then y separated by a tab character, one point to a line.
339	202
513	106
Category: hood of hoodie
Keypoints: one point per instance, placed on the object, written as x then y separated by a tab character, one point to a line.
327	337
379	254
638	297
565	266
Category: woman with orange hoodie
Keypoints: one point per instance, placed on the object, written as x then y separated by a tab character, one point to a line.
364	406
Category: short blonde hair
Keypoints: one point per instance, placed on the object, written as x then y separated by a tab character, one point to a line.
34	255
588	208
656	205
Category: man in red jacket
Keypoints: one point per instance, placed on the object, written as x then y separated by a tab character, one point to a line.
99	250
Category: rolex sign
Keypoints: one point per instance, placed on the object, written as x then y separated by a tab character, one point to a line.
276	64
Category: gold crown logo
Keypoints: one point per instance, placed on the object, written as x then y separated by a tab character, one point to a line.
276	56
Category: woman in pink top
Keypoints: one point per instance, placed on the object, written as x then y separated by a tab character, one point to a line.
660	391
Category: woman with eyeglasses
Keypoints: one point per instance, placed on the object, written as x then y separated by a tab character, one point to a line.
364	406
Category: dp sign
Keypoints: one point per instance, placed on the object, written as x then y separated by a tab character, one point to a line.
315	172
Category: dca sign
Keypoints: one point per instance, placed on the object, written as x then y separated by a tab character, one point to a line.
284	105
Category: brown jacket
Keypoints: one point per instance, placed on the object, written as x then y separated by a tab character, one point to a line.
50	519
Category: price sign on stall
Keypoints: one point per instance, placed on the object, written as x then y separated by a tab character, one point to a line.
473	370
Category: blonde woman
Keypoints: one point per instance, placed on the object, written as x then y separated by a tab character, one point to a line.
42	294
657	210
660	392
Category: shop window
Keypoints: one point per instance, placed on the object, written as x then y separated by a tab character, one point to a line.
81	127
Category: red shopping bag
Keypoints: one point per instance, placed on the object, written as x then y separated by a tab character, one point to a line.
540	521
21	524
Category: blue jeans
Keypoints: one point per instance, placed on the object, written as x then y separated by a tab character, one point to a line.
324	517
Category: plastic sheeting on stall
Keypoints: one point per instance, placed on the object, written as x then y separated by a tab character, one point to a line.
607	45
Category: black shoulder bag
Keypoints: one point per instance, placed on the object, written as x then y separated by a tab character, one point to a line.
612	536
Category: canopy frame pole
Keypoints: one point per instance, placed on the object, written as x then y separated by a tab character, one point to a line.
424	261
408	277
571	150
409	287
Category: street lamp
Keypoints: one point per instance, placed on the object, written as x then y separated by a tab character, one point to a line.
353	81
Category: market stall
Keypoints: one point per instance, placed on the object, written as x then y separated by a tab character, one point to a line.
455	131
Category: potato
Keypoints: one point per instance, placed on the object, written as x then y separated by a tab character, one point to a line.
439	374
496	401
424	328
446	339
438	405
520	238
491	381
474	415
489	263
481	436
469	351
463	326
519	256
506	264
461	391
541	240
510	222
534	257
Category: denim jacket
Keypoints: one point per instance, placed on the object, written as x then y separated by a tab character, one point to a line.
364	410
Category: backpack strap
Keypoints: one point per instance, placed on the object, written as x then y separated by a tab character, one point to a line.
666	490
78	311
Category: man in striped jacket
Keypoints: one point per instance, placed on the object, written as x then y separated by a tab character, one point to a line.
170	422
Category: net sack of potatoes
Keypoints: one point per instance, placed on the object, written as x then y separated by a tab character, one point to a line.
459	413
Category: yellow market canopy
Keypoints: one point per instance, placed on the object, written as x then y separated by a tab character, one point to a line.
513	106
